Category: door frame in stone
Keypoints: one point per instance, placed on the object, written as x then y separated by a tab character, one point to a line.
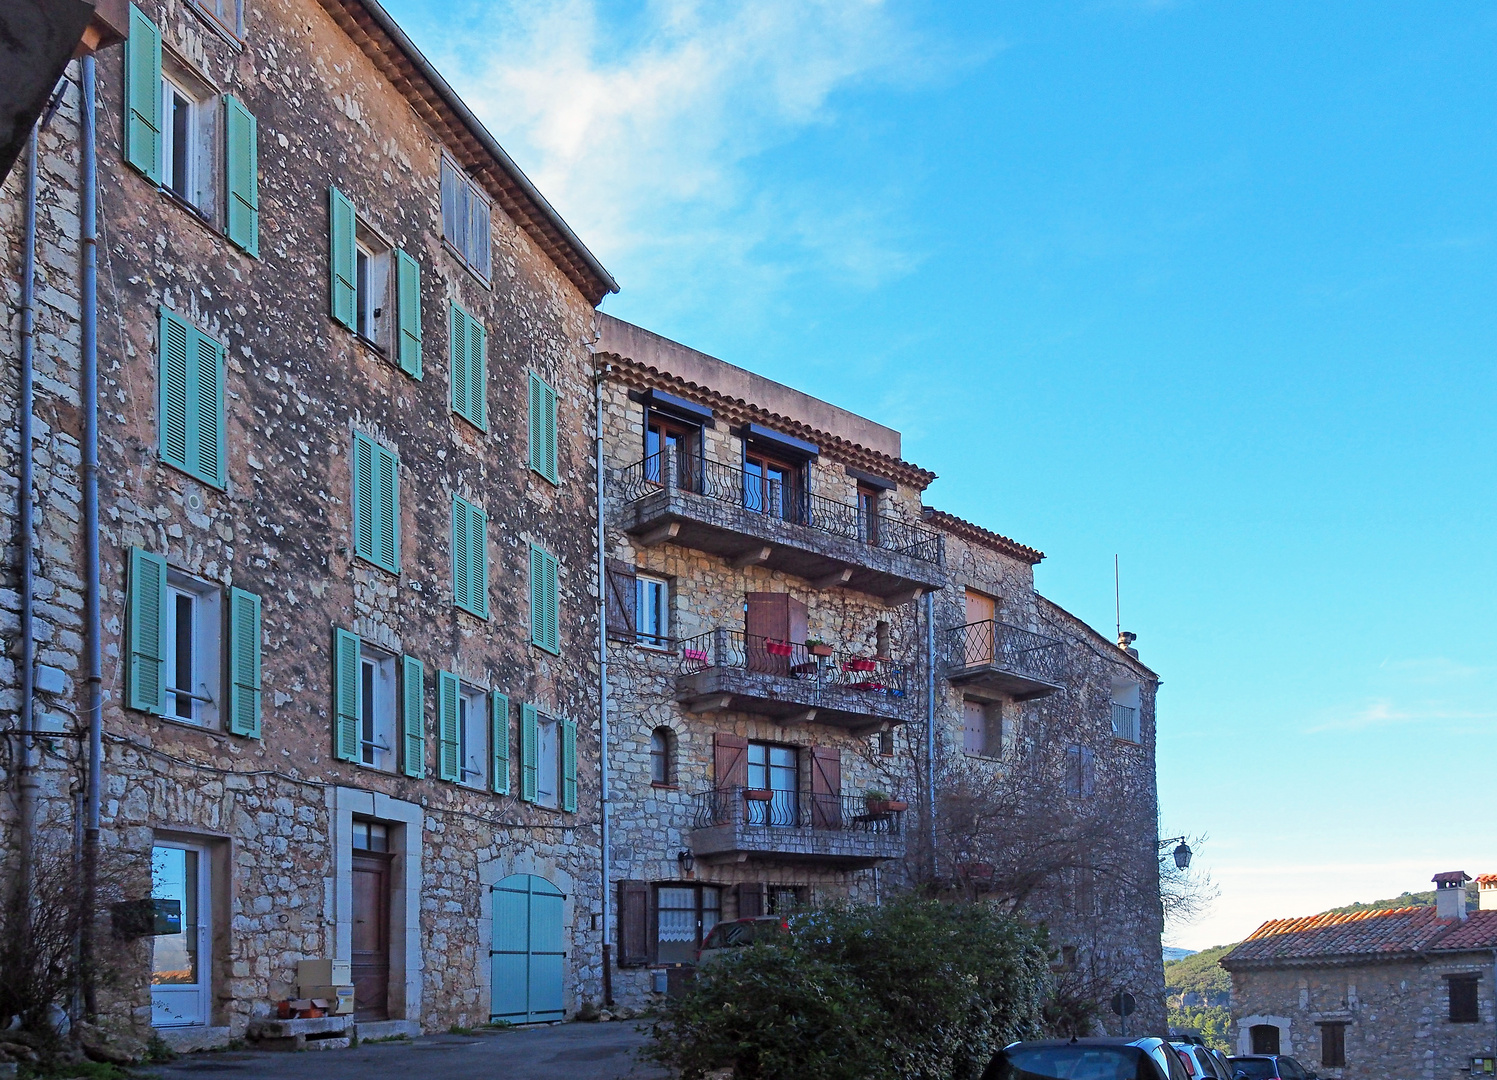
493	871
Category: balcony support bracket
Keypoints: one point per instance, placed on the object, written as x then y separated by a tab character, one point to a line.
904	596
710	703
754	556
840	577
660	534
804	717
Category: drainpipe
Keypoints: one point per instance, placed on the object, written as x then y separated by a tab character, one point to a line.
93	648
930	723
27	781
603	791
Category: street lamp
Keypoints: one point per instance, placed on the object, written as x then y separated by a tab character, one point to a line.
1182	851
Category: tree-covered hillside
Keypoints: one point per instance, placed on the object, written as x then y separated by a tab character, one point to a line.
1198	979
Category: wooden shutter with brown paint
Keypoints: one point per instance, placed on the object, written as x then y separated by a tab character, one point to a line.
634	923
773	616
622	623
826	787
729	760
750	899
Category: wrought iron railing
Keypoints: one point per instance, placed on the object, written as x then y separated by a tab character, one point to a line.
723	648
1009	648
772	498
1125	722
795	810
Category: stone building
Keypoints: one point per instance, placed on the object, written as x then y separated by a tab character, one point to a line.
346	513
1375	995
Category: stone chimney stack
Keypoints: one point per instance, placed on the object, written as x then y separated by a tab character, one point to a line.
1450	894
1486	891
1126	638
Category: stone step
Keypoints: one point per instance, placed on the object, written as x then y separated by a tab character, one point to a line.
383	1029
317	1033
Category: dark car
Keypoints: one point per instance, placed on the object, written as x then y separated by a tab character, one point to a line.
736	933
1087	1059
1268	1067
1200	1060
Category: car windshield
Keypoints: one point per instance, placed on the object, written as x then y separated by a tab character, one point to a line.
726	935
1071	1063
1253	1068
1208	1063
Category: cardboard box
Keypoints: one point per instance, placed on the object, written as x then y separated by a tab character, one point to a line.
336	1000
323	973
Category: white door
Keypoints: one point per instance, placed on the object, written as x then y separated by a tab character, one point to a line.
180	959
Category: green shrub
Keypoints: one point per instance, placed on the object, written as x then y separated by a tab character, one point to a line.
913	990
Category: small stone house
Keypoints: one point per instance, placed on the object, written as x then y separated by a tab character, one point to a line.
1375	995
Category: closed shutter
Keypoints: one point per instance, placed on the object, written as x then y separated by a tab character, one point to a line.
1088	770
376	504
408	313
146	626
190	378
826	787
244	663
750	896
346	695
545	601
241	175
449	764
543	428
621	578
143	95
413	716
729	760
342	257
499	740
569	766
470	559
467	343
457	357
529	758
634	923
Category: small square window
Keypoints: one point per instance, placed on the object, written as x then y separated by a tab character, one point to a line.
472	737
376	708
193	640
652	610
370	835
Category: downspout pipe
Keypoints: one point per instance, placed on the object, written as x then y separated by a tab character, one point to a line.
25	496
604	831
930	724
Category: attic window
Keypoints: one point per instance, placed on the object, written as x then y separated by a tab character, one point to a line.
465	218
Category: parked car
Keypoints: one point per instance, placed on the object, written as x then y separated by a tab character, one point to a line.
1203	1062
736	933
1088	1059
1268	1067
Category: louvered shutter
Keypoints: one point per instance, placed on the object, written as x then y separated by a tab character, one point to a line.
376	504
461	592
244	663
449	764
468	344
413	716
478	235
553	607
545	629
620	584
478	373
146	625
470	563
1088	770
408	313
387	483
177	383
542	428
634	923
569	766
499	740
143	95
363	497
241	175
206	441
342	257
529	753
457	354
346	647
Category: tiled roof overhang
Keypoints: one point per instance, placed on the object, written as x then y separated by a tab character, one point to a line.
976	534
372	29
737	411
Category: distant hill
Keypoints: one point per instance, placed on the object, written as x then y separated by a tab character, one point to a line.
1408	899
1198	980
1173	953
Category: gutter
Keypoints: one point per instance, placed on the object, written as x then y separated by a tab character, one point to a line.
930	723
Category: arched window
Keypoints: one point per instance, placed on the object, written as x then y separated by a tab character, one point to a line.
662	756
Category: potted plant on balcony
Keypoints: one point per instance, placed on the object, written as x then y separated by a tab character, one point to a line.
878	803
817	647
758	794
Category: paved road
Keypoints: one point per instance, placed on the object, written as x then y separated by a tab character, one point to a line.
575	1051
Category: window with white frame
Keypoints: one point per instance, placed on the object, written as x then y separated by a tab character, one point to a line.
189	134
548	761
1126	699
652	611
472	736
376	708
371	287
465	218
194	623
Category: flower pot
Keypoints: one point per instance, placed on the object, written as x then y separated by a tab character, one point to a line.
819	650
859	665
758	794
897	806
877	807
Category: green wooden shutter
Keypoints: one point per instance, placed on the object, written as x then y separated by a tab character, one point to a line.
341	257
529	745
408	313
478	373
449	767
461	592
146	625
376	503
346	648
208	435
499	740
244	663
457	357
470	558
241	175
362	459
190	384
413	716
545	630
569	766
387	489
143	95
543	428
467	343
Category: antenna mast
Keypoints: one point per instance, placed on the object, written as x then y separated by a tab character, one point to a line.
1117	597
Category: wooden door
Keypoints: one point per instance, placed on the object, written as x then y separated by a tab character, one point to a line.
528	958
826	787
773	616
981	611
370	959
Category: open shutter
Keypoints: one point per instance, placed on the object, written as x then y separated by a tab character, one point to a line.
244	663
345	695
529	745
545	629
457	357
470	558
241	175
408	313
569	766
478	373
499	740
146	624
341	257
826	787
462	593
176	383
143	95
542	428
634	923
729	761
620	590
207	449
750	896
449	767
413	716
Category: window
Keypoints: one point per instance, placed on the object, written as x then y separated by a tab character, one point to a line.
785	899
370	835
982	728
1265	1038
472	737
771	487
376	708
374	288
868	514
548	750
663	757
190	407
545	601
186	128
685	914
470	558
548	760
1463	1000
773	768
193	647
1125	709
228	14
662	434
543	428
886	744
467	351
652	607
1081	775
465	218
376	504
371	287
1333	1044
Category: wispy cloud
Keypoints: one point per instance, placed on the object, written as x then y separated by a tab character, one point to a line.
1386	714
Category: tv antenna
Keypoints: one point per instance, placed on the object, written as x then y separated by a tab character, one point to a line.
1117	597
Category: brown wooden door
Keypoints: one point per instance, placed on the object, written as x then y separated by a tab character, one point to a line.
773	616
826	787
979	643
370	959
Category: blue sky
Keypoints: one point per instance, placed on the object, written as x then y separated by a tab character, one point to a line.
1210	286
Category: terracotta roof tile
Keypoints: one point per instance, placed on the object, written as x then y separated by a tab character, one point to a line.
1378	932
1479	931
1487	880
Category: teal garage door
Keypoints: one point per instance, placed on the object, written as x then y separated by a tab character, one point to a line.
528	954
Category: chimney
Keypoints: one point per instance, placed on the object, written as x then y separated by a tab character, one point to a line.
1126	638
1450	894
1486	891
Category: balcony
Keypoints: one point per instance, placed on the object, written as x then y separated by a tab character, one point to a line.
991	655
1125	722
734	825
718	509
727	669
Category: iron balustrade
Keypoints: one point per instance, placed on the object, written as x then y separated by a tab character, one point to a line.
766	808
1125	722
990	643
723	648
668	470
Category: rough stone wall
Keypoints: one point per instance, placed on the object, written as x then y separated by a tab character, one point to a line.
1397	1015
298	387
